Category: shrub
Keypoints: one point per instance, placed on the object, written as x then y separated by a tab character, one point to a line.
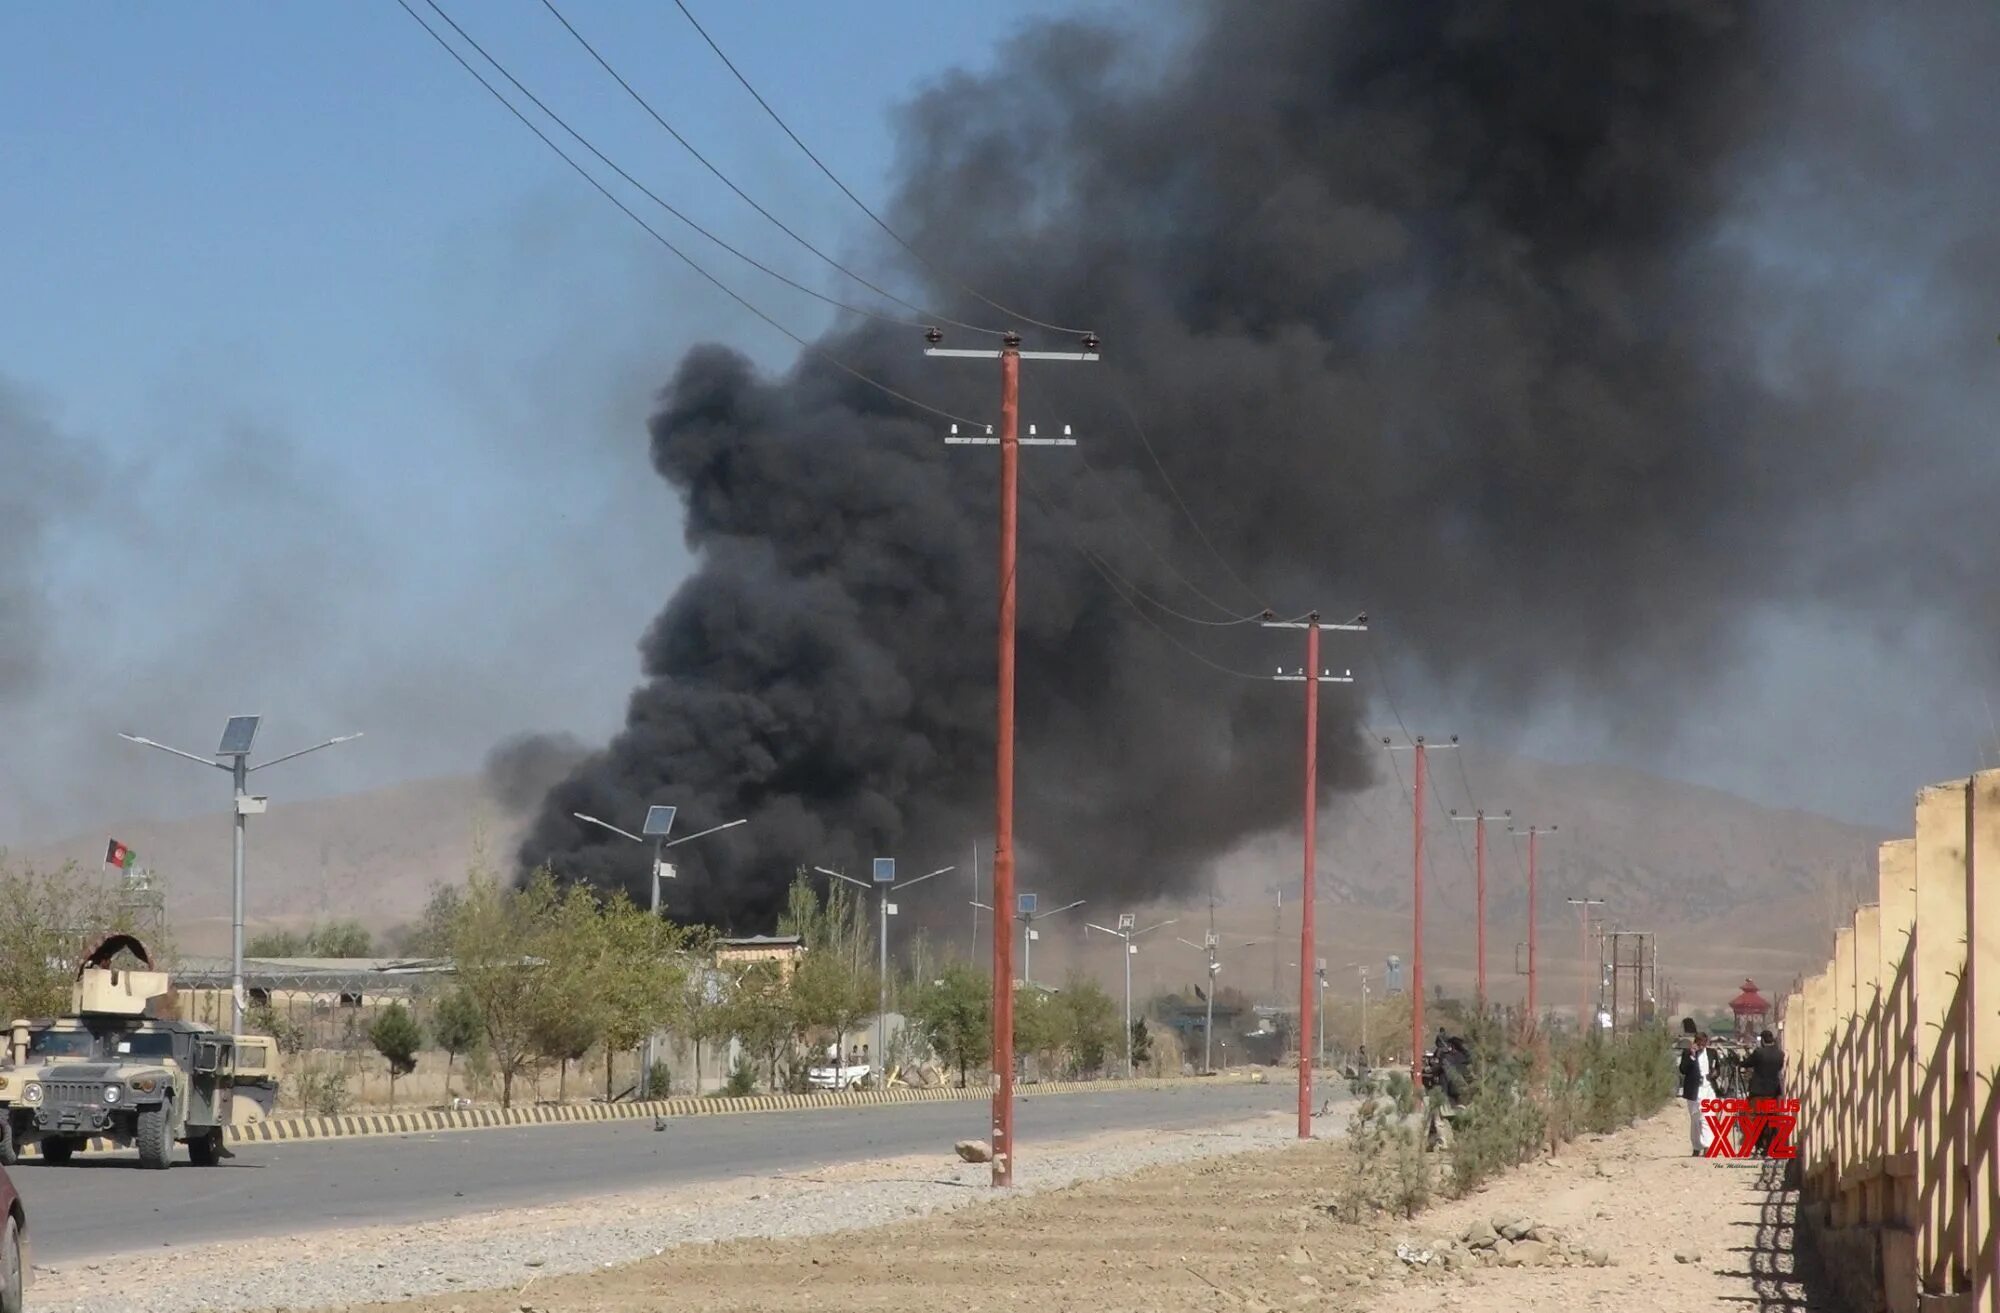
742	1081
322	1090
1390	1172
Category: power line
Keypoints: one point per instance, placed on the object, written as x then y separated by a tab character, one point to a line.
747	199
1132	417
1160	556
660	201
1114	580
895	236
809	348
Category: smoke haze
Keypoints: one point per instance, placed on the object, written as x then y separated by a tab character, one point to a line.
1548	334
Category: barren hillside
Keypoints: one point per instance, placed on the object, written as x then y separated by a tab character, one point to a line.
1732	888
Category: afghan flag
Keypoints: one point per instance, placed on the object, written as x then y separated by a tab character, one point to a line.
120	856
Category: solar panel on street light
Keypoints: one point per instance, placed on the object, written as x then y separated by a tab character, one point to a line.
1025	904
237	736
885	870
659	820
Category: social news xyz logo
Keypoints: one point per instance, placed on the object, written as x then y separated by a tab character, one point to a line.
1737	1125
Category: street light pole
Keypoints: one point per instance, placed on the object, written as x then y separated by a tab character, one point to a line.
884	871
1126	934
237	736
659	822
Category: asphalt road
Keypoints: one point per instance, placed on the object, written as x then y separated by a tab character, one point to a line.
102	1206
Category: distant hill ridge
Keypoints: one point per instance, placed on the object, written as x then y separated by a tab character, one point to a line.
1732	887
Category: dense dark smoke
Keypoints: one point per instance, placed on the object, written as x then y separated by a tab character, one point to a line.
1460	313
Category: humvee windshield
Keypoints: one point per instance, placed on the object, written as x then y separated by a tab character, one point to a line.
144	1046
60	1044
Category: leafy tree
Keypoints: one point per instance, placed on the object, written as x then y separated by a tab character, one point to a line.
1085	1023
340	939
457	1028
1142	1043
275	943
495	942
48	920
703	1009
397	1037
334	939
953	1013
761	1014
431	935
572	1000
835	987
642	975
263	1019
1038	1024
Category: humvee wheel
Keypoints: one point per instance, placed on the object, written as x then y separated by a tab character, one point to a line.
58	1151
155	1148
9	1153
206	1150
13	1284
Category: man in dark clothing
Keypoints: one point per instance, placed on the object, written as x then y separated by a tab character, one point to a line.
1767	1081
1457	1071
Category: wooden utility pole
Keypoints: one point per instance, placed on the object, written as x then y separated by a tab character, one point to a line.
1312	677
1417	910
1010	442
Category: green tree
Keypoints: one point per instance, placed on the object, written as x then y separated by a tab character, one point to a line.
495	942
457	1028
835	987
275	943
340	939
953	1013
48	920
1038	1025
1142	1043
431	935
761	1015
704	1010
397	1037
644	970
1085	1022
572	996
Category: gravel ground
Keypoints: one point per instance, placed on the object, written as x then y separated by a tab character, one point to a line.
1252	1233
519	1249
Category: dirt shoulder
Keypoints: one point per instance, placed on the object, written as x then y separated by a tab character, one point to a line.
1250	1232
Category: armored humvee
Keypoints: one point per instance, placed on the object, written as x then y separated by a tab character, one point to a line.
116	1070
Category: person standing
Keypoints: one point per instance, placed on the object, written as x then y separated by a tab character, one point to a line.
1767	1081
1697	1076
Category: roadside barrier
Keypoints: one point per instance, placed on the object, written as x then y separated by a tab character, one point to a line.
1893	1050
355	1125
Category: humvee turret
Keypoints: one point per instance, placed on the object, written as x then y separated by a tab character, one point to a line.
117	1070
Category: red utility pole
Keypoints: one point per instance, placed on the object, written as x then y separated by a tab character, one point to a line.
1585	1014
1312	676
1479	848
1306	905
1534	831
1478	819
1417	932
1003	777
1417	915
1009	441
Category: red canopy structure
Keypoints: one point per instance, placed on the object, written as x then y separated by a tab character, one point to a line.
1751	1008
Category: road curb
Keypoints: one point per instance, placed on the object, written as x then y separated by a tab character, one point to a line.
286	1130
358	1125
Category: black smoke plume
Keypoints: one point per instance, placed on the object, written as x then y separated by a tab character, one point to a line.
1547	333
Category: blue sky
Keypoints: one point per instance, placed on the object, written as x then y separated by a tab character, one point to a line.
344	376
323	389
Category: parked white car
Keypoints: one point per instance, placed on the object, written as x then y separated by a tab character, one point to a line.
837	1078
